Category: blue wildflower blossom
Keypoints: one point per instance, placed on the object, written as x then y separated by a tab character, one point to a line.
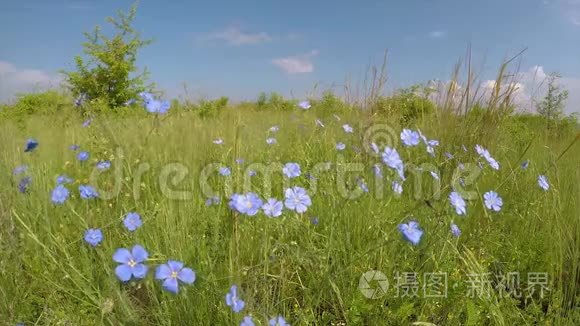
291	170
397	187
87	123
131	263
240	161
525	164
63	179
252	173
173	272
24	183
304	105
297	199
74	147
88	192
543	182
93	236
31	144
493	201
347	128
455	230
83	156
392	159
247	321
103	165
278	321
248	204
218	141
132	221
271	141
59	195
361	183
340	146
273	207
233	301
458	203
411	231
20	169
214	200
410	137
225	171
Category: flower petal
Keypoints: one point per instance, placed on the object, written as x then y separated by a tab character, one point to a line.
170	285
139	253
140	270
123	272
186	275
162	272
122	256
175	265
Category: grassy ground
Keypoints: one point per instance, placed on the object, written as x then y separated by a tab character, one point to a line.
307	272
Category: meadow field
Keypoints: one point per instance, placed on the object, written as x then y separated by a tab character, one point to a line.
477	236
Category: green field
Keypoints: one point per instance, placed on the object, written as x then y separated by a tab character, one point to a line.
518	266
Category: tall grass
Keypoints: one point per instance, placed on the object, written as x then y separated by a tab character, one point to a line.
287	266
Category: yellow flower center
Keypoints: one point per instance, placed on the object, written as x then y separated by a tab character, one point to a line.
173	274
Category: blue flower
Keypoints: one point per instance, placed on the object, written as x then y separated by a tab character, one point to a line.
347	128
233	301
397	187
83	156
377	170
63	179
74	147
218	141
361	183
31	144
87	123
291	170
248	204
225	171
252	173
24	183
431	144
156	106
173	271
239	161
278	321
132	221
455	230
487	156
305	105
215	200
273	207
410	137
104	165
525	164
93	236
340	146
314	220
297	199
493	201
411	231
458	203
88	192
131	263
271	141
59	194
247	321
434	175
146	97
392	159
20	169
543	182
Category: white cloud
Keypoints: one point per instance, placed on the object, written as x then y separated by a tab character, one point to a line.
235	36
297	64
437	34
14	80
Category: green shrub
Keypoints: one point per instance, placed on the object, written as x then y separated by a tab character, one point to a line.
408	105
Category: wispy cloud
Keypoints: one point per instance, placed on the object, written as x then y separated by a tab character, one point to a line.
14	80
437	34
297	64
235	36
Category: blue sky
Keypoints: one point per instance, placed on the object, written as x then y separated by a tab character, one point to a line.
239	48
